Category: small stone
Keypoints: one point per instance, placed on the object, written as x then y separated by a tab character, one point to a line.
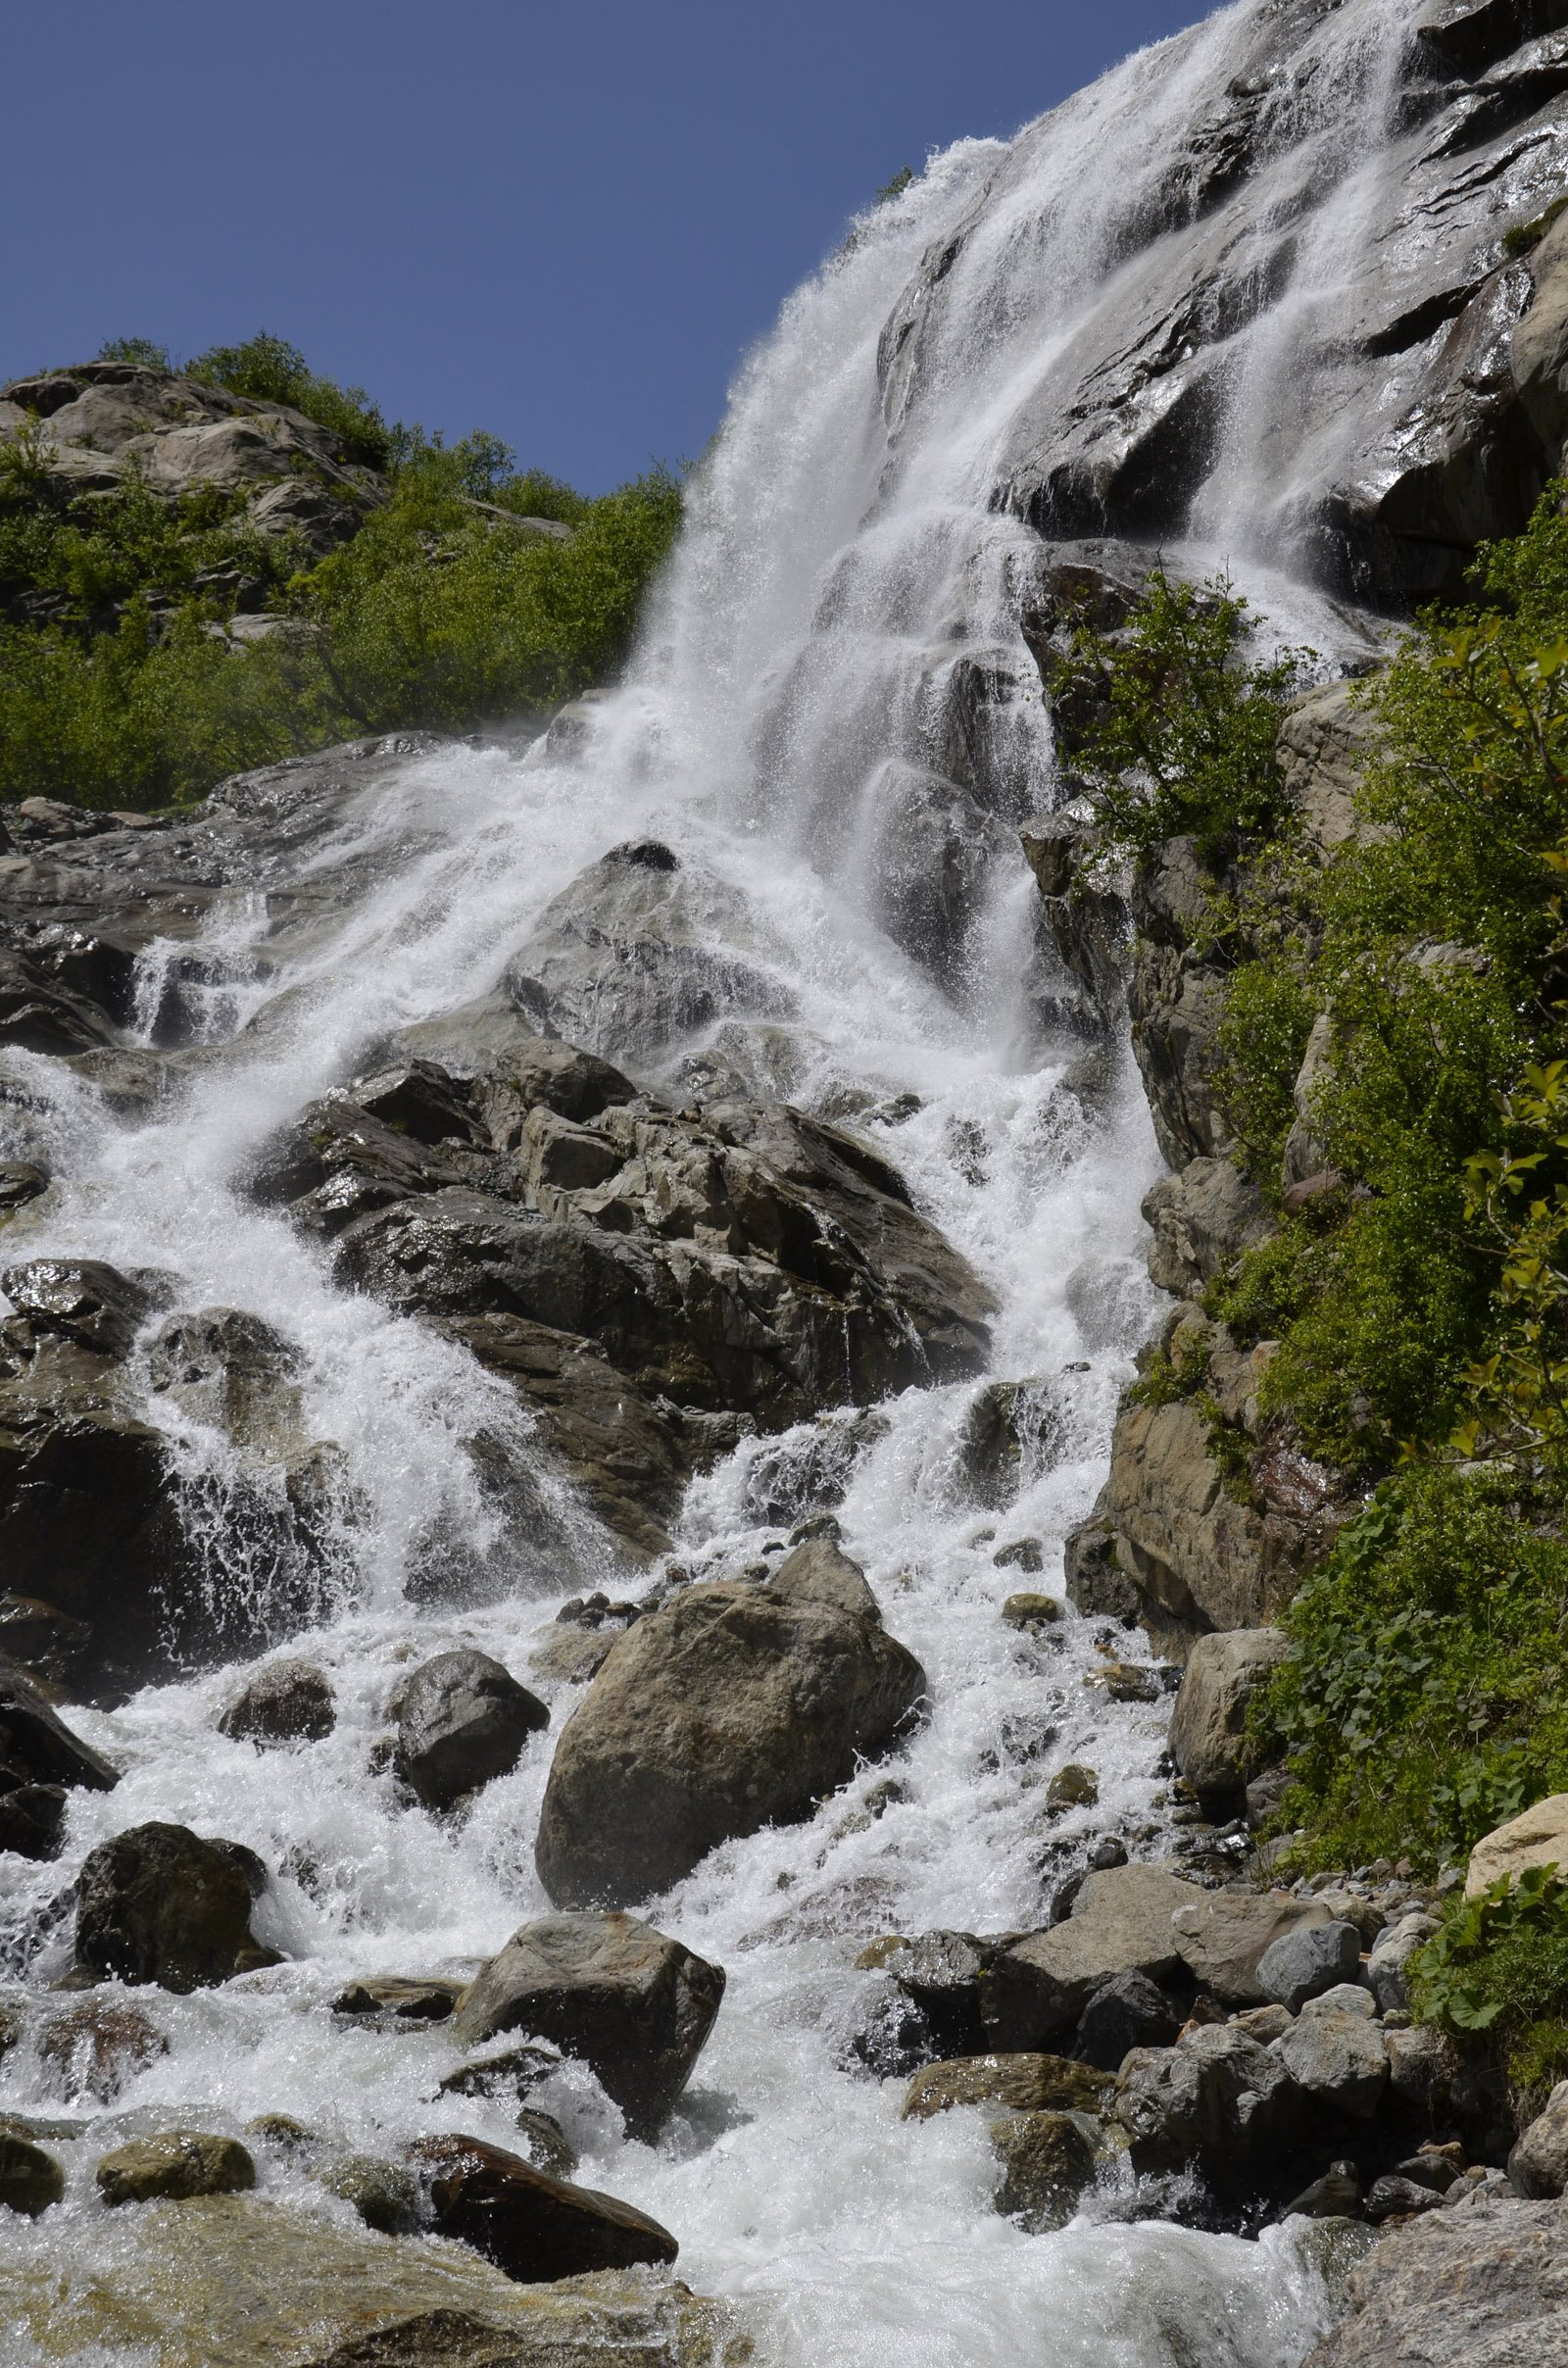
1264	2023
175	2163
1126	1681
546	2144
283	2131
1026	2083
1110	1853
1393	2195
513	2073
1031	1613
30	2180
1072	1788
1048	2161
1022	1554
385	2196
390	2001
96	2048
1430	2169
1336	2196
292	1702
1303	1963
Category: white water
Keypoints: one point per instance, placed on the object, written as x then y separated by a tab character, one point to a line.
832	576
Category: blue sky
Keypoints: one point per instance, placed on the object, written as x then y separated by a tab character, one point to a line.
562	224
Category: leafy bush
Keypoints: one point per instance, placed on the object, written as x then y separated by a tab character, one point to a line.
1499	1965
1425	1699
268	370
1184	743
141	351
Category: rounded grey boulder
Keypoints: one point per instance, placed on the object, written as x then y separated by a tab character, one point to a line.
290	1702
1539	2163
1303	1964
156	1903
462	1720
1208	1726
736	1707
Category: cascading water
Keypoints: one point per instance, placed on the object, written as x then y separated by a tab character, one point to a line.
832	711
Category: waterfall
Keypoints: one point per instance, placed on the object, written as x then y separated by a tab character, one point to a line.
835	722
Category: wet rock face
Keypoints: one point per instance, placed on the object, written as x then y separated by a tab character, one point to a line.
1420	408
463	1719
732	1708
177	2163
292	1702
628	2001
535	2228
648	1279
159	1905
40	1761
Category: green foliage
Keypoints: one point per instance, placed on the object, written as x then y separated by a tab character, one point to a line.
1499	1965
1184	744
1524	235
268	370
1425	1699
1269	1010
895	186
141	351
1520	1200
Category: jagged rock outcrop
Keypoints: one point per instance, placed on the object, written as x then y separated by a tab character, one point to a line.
650	1280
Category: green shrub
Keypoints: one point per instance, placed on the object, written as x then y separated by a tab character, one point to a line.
1425	1699
1184	741
1499	1965
143	351
268	370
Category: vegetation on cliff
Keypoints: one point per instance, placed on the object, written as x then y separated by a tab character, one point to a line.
471	591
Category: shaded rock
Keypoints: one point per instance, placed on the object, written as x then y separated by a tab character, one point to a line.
1334	2053
513	2072
1048	2161
385	2196
175	2163
893	2037
1025	2083
292	1702
158	1904
1539	2163
1222	1938
730	1710
40	1759
1072	1787
252	2283
1128	2011
532	2227
462	1720
387	2000
1094	1579
93	2049
283	2131
941	1973
40	1639
628	2001
1216	2100
1536	1838
1031	1613
1391	1952
1022	1554
571	1657
546	2144
1301	1965
1421	2068
1201	1219
1336	2194
30	2178
1120	1923
1087	918
1390	2194
1208	1726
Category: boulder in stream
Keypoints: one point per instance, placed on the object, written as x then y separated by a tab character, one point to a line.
291	1702
630	2003
174	2163
736	1707
534	2228
461	1721
156	1903
40	1761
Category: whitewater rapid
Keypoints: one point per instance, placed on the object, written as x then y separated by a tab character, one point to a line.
837	572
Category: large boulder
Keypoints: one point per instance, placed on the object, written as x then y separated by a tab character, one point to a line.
30	2180
734	1707
463	1719
535	2228
1208	1726
1201	1220
1120	1923
628	2001
1539	1836
1334	2053
159	1905
1303	1963
1539	2163
291	1702
1477	2285
1047	2160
